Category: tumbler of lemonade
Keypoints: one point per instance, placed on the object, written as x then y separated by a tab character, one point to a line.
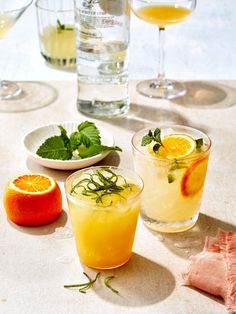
172	161
104	204
57	35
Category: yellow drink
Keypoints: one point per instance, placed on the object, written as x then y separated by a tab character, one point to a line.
58	46
162	15
104	229
172	186
6	22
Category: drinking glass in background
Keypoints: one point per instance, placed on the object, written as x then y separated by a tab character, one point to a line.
104	204
57	32
162	13
10	12
102	56
173	177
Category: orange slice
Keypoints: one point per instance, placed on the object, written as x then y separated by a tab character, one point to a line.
194	177
175	146
33	183
32	199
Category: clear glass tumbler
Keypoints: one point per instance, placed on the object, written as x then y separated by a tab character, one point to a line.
104	204
173	177
56	29
102	57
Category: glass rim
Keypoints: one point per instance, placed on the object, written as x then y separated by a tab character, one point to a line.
133	172
152	126
18	9
39	6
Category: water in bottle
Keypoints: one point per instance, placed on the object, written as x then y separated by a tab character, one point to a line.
102	28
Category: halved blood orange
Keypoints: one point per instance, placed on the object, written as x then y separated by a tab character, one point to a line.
194	177
175	146
32	199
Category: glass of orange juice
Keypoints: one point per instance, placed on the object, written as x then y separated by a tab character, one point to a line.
104	204
172	161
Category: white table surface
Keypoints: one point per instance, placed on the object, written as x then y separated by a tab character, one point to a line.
203	47
35	264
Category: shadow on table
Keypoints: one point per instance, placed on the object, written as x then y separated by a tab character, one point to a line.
34	95
45	229
59	175
141	116
136	286
113	159
191	242
207	95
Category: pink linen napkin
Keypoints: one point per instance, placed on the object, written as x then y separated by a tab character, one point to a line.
214	269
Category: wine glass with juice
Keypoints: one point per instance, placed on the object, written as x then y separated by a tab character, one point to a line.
162	13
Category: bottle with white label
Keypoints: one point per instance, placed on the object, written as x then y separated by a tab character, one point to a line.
102	35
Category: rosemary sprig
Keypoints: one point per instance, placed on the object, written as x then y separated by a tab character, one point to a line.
98	185
84	286
107	283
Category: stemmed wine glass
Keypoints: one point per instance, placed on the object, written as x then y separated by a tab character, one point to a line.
162	13
10	12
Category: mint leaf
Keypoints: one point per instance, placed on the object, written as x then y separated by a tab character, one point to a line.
170	178
156	147
157	135
147	139
64	134
65	139
199	143
89	133
96	149
75	140
54	148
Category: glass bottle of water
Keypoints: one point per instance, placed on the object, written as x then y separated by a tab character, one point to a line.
102	28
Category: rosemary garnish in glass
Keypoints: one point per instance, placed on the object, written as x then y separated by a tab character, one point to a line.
99	184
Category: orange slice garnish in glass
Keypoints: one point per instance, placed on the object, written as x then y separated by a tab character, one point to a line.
175	146
194	177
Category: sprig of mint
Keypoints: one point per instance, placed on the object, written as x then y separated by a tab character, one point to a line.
86	142
153	136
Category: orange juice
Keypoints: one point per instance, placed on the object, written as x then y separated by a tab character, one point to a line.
162	15
104	221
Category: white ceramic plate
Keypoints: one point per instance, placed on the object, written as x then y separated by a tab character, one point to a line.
35	138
